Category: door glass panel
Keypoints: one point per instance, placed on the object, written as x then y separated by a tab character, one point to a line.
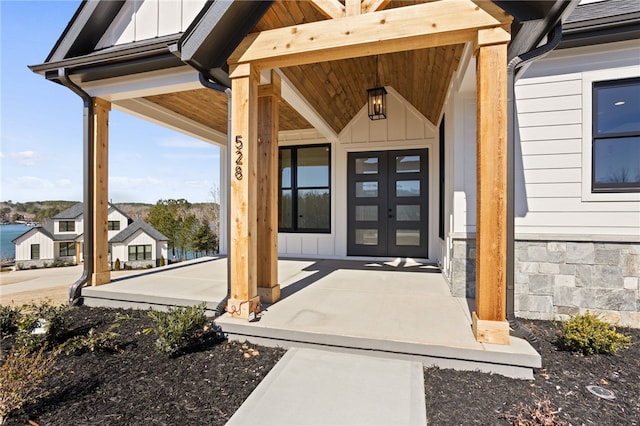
366	189
404	213
407	237
408	188
407	163
367	237
313	167
367	166
366	213
284	165
313	209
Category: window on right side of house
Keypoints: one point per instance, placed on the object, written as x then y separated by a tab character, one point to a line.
616	136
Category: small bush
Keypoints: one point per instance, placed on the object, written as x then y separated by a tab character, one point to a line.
177	327
116	265
21	375
40	324
9	317
589	334
162	261
33	267
19	266
93	341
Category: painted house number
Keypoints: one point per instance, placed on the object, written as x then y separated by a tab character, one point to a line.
238	148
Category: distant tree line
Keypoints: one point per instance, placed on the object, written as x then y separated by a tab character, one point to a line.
176	220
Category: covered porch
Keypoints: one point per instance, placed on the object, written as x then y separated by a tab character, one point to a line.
397	308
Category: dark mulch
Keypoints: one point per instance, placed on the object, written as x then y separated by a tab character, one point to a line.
465	398
207	383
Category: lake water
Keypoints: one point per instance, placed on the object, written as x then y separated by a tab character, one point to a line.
7	234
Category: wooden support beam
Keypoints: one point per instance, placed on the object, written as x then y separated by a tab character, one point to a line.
369	6
244	298
491	206
392	30
267	217
352	7
100	141
329	8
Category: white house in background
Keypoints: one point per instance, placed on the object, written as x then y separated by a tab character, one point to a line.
136	244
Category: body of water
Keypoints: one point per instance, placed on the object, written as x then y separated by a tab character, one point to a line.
7	234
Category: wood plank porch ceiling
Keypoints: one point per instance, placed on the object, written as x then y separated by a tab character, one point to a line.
336	89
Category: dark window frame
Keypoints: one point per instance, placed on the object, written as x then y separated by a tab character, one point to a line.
69	226
596	136
294	188
67	249
35	254
111	225
140	252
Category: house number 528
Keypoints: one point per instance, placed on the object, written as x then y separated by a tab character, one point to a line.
238	152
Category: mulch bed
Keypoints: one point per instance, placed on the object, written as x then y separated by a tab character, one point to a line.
208	382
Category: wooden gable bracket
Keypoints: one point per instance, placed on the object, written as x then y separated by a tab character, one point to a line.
387	31
333	9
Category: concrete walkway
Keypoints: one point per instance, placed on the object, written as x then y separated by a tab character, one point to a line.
314	387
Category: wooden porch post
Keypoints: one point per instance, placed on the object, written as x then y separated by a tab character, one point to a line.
100	141
267	217
243	244
489	319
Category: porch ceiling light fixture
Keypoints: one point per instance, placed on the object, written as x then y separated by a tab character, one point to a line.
377	100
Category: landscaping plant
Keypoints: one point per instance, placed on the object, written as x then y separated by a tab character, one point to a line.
541	414
93	341
589	334
177	327
9	317
21	375
40	324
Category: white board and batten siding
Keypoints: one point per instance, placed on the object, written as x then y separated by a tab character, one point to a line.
116	216
554	107
139	238
23	246
148	19
404	128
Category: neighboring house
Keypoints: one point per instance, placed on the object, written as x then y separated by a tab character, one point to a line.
135	244
404	185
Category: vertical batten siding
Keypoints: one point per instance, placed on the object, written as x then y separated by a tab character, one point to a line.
147	19
552	136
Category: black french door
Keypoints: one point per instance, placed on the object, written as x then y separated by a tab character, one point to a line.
387	203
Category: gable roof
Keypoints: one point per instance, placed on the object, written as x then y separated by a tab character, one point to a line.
602	22
138	225
47	230
76	211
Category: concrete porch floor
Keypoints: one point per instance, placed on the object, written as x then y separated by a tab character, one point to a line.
399	309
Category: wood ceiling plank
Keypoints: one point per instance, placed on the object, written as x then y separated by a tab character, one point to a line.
331	9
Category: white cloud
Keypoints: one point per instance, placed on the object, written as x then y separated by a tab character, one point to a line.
132	183
25	158
29	182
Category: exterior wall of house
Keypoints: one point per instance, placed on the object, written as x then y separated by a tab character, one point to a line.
148	19
575	250
404	128
115	216
76	230
23	250
121	251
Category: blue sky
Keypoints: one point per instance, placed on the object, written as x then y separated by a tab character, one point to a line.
41	127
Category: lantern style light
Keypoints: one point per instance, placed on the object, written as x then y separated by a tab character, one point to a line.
377	103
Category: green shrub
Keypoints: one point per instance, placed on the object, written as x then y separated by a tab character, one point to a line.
33	267
589	334
40	324
19	266
162	261
177	327
116	265
92	341
21	377
9	317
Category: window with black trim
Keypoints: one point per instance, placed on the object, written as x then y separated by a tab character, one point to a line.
35	251
616	136
66	226
304	184
140	252
68	249
113	225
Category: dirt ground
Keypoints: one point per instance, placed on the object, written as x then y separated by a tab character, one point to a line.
55	296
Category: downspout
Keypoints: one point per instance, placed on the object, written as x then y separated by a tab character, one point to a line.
553	40
75	291
206	82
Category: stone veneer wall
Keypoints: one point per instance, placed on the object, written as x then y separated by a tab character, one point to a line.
556	279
